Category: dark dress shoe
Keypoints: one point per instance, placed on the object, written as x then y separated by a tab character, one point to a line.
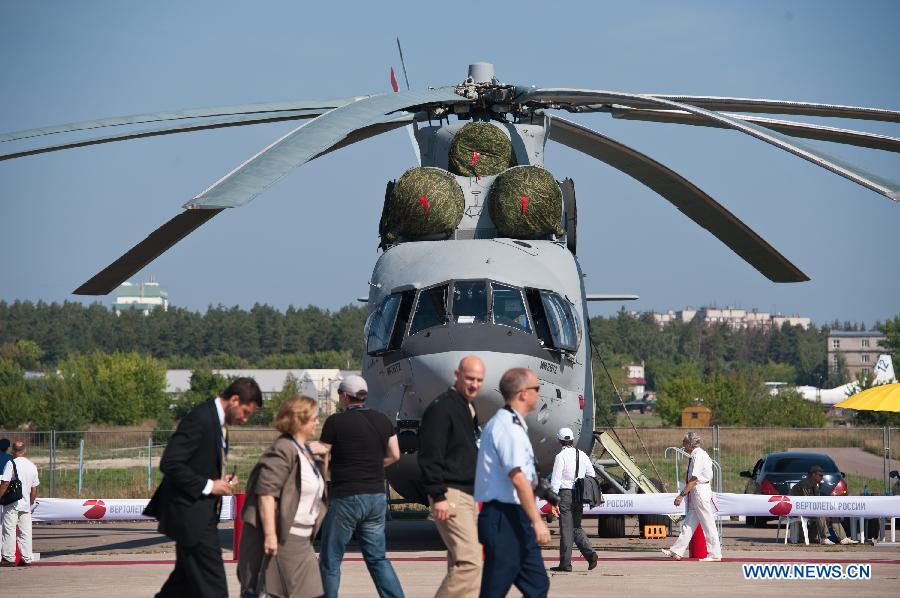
592	561
24	564
561	569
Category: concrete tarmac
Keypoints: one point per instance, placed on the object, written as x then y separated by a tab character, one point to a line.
129	559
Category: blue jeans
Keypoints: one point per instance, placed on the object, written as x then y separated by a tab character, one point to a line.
364	515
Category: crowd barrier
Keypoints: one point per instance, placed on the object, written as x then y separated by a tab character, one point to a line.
100	509
726	504
754	505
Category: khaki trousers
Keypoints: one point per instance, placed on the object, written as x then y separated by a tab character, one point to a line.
460	535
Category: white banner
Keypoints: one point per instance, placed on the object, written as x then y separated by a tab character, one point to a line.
99	509
116	509
808	506
750	504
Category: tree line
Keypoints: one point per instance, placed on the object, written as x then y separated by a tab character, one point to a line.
259	337
103	368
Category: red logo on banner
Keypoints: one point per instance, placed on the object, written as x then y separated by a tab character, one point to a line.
782	505
97	508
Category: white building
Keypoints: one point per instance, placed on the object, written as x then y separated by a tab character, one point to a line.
320	384
144	296
730	316
635	382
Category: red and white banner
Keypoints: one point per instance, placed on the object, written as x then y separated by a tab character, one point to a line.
99	509
751	504
116	509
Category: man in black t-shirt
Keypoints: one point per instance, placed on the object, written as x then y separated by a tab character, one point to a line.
361	443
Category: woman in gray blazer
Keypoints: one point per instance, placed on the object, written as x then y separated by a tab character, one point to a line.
284	507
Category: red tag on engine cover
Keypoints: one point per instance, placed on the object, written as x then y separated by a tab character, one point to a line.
424	201
524	204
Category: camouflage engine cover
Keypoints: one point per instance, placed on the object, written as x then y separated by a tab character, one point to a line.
424	203
526	203
480	149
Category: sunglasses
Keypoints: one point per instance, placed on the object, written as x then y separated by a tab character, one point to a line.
534	388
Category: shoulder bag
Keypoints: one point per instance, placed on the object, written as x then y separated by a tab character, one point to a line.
14	490
586	489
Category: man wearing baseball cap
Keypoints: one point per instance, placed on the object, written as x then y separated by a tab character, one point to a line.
571	464
362	443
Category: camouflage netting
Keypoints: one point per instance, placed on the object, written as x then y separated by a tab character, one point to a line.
480	149
424	202
526	203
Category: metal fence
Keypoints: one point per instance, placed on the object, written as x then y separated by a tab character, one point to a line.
119	463
866	455
124	463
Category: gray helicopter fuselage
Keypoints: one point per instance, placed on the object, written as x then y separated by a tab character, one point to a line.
514	280
402	382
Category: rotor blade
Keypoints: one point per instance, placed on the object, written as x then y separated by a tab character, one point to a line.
367	132
145	252
878	184
595	297
784	107
314	105
236	121
720	103
310	139
684	195
788	127
189	220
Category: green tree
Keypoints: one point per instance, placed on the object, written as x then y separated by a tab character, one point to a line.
15	400
204	385
838	375
24	352
683	387
891	331
117	388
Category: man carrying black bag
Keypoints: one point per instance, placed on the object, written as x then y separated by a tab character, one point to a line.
570	465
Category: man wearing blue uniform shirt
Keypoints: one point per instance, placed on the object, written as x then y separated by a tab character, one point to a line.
509	526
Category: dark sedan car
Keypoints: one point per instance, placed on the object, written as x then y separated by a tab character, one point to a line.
776	473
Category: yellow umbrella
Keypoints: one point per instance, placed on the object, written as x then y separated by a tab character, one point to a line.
885	397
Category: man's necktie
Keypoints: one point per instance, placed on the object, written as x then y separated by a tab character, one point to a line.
224	448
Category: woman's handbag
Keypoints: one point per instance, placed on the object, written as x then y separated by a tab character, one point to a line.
260	590
14	490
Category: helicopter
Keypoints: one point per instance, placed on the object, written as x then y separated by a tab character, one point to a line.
514	296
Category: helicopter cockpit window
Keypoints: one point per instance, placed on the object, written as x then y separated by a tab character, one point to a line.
562	321
380	325
470	304
509	307
431	309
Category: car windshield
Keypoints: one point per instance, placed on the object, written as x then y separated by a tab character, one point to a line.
509	307
470	302
799	464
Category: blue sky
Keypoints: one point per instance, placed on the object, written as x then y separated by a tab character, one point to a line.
311	238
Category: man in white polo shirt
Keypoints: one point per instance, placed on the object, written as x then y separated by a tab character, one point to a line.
18	514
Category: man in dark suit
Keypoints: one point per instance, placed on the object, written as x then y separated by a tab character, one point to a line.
188	501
